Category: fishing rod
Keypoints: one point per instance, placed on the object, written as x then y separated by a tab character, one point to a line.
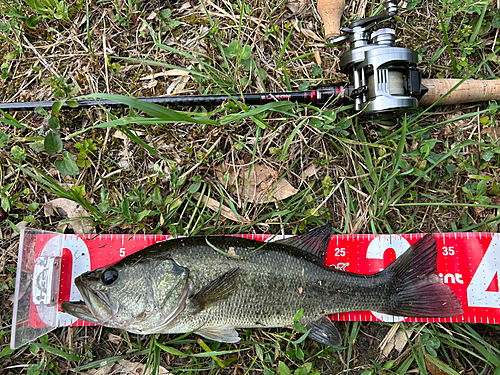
385	82
321	95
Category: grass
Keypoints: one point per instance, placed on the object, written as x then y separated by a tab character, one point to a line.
152	170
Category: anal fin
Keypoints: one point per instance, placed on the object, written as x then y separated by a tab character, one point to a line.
225	333
324	331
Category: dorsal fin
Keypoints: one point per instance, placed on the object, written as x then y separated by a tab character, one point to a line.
314	243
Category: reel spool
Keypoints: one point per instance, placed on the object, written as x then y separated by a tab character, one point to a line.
386	82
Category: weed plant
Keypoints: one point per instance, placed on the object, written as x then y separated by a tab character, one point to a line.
151	170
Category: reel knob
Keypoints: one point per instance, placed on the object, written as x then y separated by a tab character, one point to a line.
384	37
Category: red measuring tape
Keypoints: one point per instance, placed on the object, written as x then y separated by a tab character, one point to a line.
468	262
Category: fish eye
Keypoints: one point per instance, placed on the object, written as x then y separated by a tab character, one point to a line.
109	276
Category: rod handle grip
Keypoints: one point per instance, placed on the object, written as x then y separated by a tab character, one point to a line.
331	11
470	91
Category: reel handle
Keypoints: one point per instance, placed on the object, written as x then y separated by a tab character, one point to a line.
331	11
471	90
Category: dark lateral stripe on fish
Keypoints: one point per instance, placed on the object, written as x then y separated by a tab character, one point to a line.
419	292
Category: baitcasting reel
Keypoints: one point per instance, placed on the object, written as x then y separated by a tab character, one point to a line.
386	83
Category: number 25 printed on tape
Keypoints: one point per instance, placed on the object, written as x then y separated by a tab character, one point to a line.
468	262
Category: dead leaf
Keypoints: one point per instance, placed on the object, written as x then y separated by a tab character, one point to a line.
494	133
224	210
310	171
20	225
124	367
152	16
150	84
478	211
260	184
69	210
177	85
295	24
296	6
311	34
168	73
317	57
118	134
115	339
448	131
457	124
396	338
194	3
434	365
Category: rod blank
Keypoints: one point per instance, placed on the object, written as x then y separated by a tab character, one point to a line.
173	101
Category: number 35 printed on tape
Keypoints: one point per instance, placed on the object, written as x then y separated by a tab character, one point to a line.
468	262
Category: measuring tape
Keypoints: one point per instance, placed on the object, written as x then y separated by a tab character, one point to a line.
468	262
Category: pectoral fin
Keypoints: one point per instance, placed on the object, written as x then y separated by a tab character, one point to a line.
216	290
324	331
222	334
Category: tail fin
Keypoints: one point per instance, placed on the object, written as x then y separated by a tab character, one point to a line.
417	289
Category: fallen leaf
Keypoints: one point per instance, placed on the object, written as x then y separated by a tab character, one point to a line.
168	73
260	184
150	84
20	225
296	6
494	133
69	210
124	367
194	3
317	57
115	339
177	85
224	210
295	24
457	124
152	16
436	366
118	134
488	228
395	339
311	34
310	171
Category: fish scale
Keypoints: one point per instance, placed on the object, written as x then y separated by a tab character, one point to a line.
264	296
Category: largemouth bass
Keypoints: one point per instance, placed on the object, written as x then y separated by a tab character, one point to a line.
213	285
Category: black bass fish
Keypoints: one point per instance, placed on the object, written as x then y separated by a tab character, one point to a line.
213	285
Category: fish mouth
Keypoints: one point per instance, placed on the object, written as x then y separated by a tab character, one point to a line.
78	309
95	307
